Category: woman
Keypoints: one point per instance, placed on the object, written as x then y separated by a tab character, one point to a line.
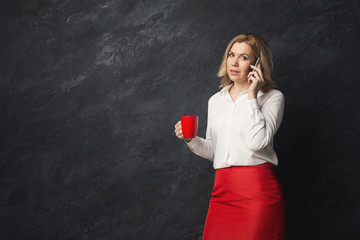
243	117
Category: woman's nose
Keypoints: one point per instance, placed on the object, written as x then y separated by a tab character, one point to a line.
234	63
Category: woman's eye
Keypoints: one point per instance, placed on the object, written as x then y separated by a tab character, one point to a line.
242	57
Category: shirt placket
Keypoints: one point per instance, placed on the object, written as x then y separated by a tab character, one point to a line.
229	125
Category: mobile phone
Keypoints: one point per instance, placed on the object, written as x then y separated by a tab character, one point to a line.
256	63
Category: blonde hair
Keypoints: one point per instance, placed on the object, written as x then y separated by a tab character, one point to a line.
259	49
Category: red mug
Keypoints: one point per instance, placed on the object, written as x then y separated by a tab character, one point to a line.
189	125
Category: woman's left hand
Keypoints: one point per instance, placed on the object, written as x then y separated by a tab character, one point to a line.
255	78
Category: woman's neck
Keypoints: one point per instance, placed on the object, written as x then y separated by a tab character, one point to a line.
238	88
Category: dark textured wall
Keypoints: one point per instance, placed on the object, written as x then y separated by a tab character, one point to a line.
90	92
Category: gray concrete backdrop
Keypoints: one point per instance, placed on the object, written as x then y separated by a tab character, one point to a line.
90	92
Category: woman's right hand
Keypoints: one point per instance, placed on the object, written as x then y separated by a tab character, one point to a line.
178	132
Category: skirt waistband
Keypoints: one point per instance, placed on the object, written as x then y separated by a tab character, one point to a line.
263	165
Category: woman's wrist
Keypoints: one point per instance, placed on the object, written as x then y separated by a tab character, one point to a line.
251	95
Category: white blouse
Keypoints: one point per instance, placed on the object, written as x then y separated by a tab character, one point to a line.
240	133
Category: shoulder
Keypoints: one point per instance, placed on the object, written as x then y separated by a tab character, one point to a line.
272	93
273	96
215	97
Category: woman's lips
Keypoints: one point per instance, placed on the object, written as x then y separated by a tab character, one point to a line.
234	72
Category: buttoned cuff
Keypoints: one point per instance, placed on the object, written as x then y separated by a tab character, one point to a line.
193	143
253	104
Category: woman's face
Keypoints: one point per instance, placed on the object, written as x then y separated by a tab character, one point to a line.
238	62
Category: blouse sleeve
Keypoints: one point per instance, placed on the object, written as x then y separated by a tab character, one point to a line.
203	147
264	122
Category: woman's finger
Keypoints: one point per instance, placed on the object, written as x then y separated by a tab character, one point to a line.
253	78
255	68
178	125
260	73
256	74
260	77
258	70
180	135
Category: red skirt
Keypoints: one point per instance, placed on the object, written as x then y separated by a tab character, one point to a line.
246	203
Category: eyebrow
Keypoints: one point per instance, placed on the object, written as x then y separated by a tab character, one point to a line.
240	53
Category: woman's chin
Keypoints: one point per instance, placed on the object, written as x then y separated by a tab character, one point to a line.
237	80
232	78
